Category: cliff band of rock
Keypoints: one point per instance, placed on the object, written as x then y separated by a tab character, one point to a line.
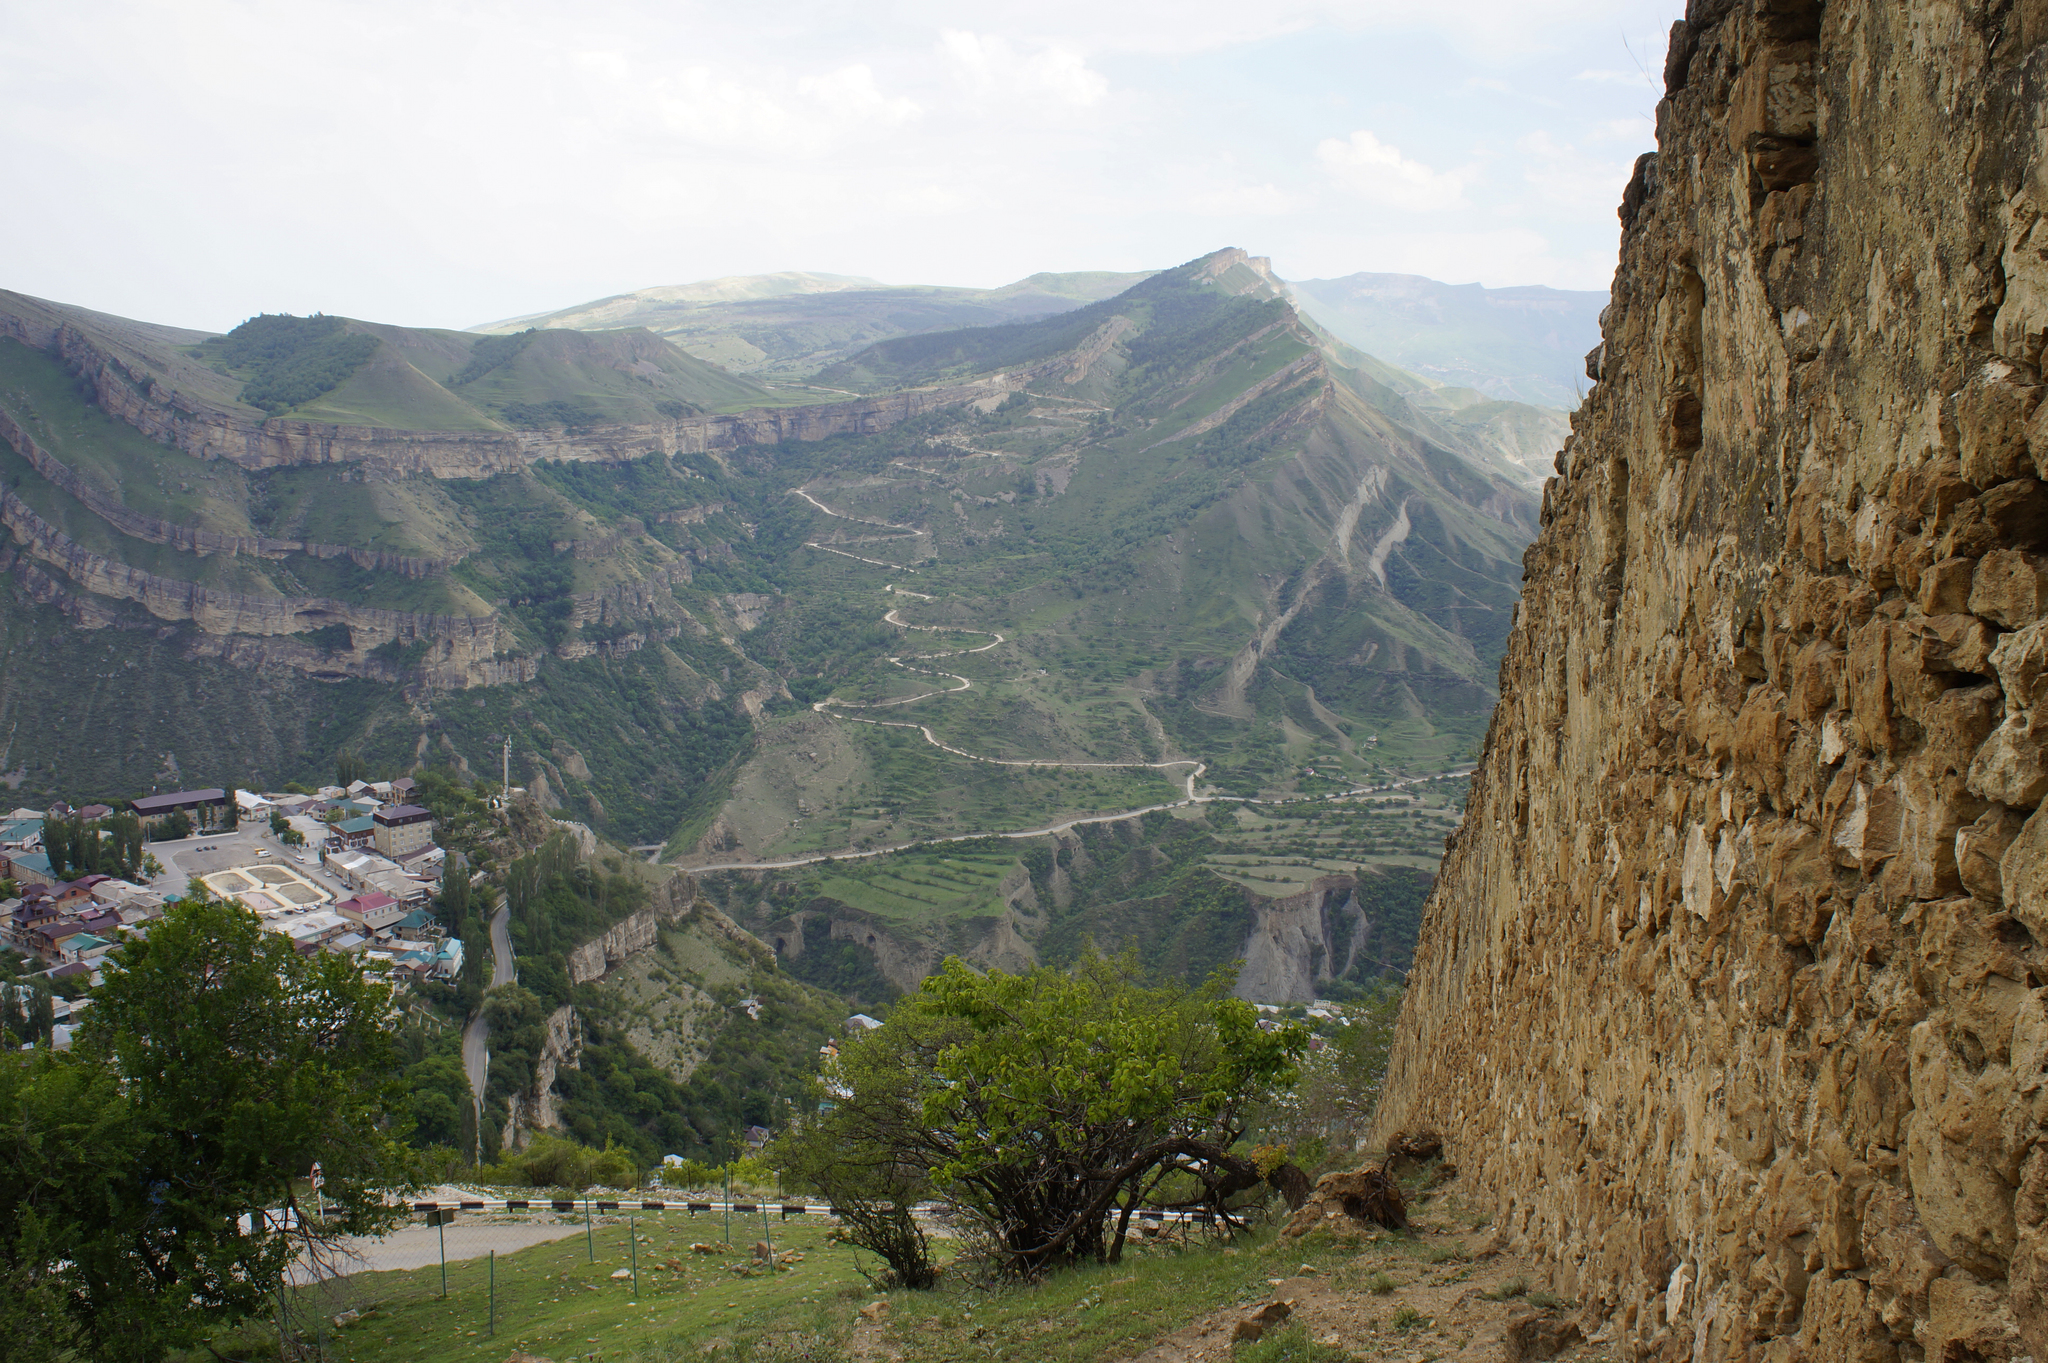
1731	989
125	388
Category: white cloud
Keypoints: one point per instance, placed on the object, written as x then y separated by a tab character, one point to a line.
1243	201
1640	130
1369	167
850	93
533	154
1569	178
1617	78
759	111
992	66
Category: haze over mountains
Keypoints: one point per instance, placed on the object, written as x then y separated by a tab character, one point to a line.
1518	344
791	324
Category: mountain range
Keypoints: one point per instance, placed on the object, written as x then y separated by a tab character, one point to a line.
1525	344
1178	542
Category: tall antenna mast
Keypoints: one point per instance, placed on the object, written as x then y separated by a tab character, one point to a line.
507	787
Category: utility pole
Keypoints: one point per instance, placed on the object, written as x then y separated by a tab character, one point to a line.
506	788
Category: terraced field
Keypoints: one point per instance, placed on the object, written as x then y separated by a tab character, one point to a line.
921	887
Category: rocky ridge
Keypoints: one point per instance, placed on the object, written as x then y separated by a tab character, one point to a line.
1731	993
155	404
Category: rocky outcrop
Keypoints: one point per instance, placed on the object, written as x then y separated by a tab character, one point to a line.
1301	939
126	387
537	1109
1731	992
461	650
156	530
637	931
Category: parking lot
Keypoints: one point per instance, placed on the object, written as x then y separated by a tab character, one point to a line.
249	848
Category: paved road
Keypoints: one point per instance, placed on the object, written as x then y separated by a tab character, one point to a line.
850	854
476	1037
503	969
420	1246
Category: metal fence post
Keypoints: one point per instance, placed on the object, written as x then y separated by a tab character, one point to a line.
728	1205
770	1235
633	1254
441	1225
589	1235
494	1293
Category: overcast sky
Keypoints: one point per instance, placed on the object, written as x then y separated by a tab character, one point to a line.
446	164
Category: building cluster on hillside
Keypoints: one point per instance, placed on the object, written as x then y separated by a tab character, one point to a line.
368	836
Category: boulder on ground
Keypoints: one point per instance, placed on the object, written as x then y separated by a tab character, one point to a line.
1364	1195
1536	1335
1256	1324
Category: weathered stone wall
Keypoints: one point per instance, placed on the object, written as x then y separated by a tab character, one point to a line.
1731	990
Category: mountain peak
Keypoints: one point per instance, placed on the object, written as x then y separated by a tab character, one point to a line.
1240	273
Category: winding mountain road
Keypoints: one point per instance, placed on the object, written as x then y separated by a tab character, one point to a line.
830	706
476	1037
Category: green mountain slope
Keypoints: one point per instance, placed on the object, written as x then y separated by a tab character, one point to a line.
786	326
363	374
1523	344
1175	543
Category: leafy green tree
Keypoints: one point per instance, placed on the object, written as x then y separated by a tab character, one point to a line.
215	1068
42	1010
349	768
57	846
1331	1105
13	995
172	826
1038	1104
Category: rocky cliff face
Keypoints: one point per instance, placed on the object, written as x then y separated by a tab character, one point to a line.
1298	941
1731	991
129	390
638	931
461	650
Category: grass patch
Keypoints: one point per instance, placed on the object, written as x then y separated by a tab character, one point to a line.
559	1300
1090	1313
1379	1284
1291	1345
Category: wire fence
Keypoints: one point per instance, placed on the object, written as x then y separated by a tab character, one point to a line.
494	1270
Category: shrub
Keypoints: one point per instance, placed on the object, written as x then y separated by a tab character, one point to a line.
553	1162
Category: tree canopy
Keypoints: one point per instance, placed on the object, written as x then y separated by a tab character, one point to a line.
216	1066
1041	1105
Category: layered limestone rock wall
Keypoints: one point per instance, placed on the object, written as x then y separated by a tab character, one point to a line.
674	900
129	391
462	648
1300	940
1730	994
156	530
538	1109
